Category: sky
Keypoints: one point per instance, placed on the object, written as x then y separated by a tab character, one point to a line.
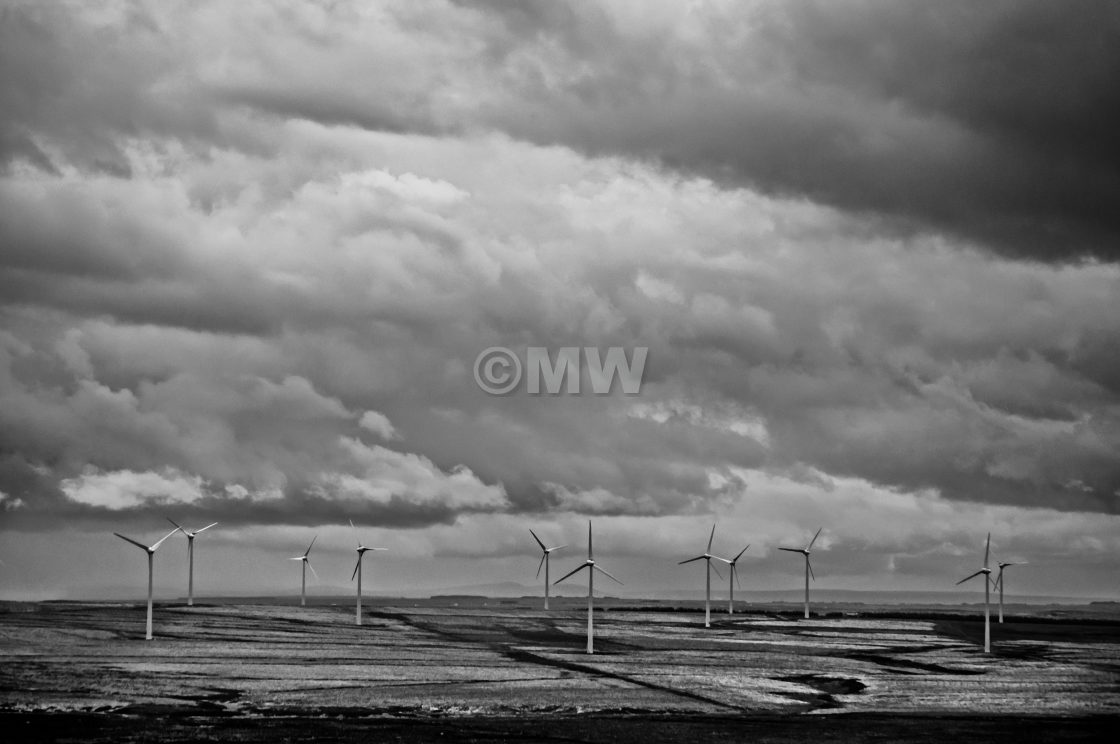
250	252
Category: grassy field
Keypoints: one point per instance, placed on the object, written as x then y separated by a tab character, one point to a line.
460	669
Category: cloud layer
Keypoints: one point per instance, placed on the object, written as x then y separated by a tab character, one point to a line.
248	255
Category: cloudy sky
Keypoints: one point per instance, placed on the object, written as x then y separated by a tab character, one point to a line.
249	253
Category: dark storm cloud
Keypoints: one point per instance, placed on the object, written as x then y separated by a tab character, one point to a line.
994	122
77	86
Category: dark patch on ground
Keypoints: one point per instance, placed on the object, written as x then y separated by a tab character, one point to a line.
895	663
826	687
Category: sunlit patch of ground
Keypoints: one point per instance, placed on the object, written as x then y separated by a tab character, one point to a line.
259	661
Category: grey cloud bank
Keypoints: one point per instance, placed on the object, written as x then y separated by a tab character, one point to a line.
248	255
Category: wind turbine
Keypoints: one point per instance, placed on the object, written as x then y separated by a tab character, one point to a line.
808	566
358	571
987	572
190	557
151	551
707	557
591	567
999	582
732	580
306	561
544	562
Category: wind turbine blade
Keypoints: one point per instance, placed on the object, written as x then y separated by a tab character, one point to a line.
558	547
169	534
735	573
970	576
987	549
585	565
205	528
313	571
541	565
810	565
690	560
792	550
716	570
356	567
534	534
590	554
810	545
604	572
308	551
355	531
710	538
296	558
744	550
172	521
129	539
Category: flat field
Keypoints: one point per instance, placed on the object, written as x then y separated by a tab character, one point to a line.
469	670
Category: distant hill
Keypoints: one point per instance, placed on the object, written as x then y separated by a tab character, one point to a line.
513	589
507	589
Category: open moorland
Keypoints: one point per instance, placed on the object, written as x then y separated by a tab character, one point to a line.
474	670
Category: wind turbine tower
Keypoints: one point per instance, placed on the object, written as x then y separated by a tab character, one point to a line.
732	580
151	550
544	562
306	561
999	582
190	557
987	572
707	558
362	550
591	567
808	566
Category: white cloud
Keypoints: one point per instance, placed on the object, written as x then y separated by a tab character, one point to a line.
9	503
379	424
127	489
598	501
658	289
385	475
721	416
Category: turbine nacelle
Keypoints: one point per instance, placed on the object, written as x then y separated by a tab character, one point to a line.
731	564
361	550
589	564
545	552
985	570
543	547
190	535
306	557
736	558
148	548
807	549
